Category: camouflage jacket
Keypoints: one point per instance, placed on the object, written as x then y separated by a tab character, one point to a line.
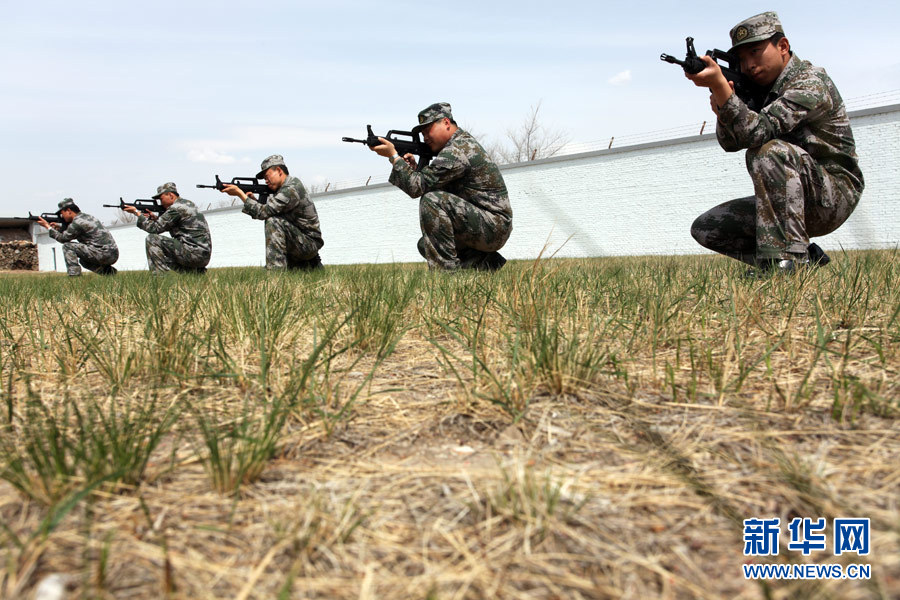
291	203
87	230
464	169
183	222
803	108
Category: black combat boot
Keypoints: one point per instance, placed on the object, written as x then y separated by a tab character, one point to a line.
469	258
313	264
768	267
817	256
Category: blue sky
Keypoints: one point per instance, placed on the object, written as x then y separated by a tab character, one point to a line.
101	99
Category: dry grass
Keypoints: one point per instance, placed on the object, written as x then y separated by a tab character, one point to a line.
562	429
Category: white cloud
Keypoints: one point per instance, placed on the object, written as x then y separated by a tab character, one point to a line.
621	78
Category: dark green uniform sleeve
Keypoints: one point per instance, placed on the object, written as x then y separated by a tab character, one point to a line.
739	127
446	167
285	201
72	232
165	222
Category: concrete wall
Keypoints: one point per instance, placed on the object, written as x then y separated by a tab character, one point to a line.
623	201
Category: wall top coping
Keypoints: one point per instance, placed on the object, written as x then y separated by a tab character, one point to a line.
865	112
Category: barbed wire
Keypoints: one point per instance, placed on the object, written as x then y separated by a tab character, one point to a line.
873	100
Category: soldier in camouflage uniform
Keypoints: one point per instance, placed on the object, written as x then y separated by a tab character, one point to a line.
85	240
189	248
293	238
800	154
464	210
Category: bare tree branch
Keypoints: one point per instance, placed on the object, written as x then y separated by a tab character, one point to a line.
531	140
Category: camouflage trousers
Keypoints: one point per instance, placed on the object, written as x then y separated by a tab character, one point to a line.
288	247
92	258
795	199
457	234
168	254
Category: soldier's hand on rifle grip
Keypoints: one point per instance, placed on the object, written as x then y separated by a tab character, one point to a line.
410	160
43	223
711	77
386	149
131	209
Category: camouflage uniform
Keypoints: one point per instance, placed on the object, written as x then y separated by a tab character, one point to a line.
88	242
293	238
801	157
190	246
464	210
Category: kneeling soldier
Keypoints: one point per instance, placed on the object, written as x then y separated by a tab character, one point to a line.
293	238
189	248
86	242
800	154
464	210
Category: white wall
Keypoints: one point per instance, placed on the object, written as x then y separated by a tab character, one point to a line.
624	201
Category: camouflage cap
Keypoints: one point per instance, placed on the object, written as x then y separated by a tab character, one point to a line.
276	160
755	29
65	203
427	116
166	187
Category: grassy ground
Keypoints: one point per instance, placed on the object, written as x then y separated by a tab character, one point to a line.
560	429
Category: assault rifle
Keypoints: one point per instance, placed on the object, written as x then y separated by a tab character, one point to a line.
752	94
248	185
154	206
50	218
414	145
